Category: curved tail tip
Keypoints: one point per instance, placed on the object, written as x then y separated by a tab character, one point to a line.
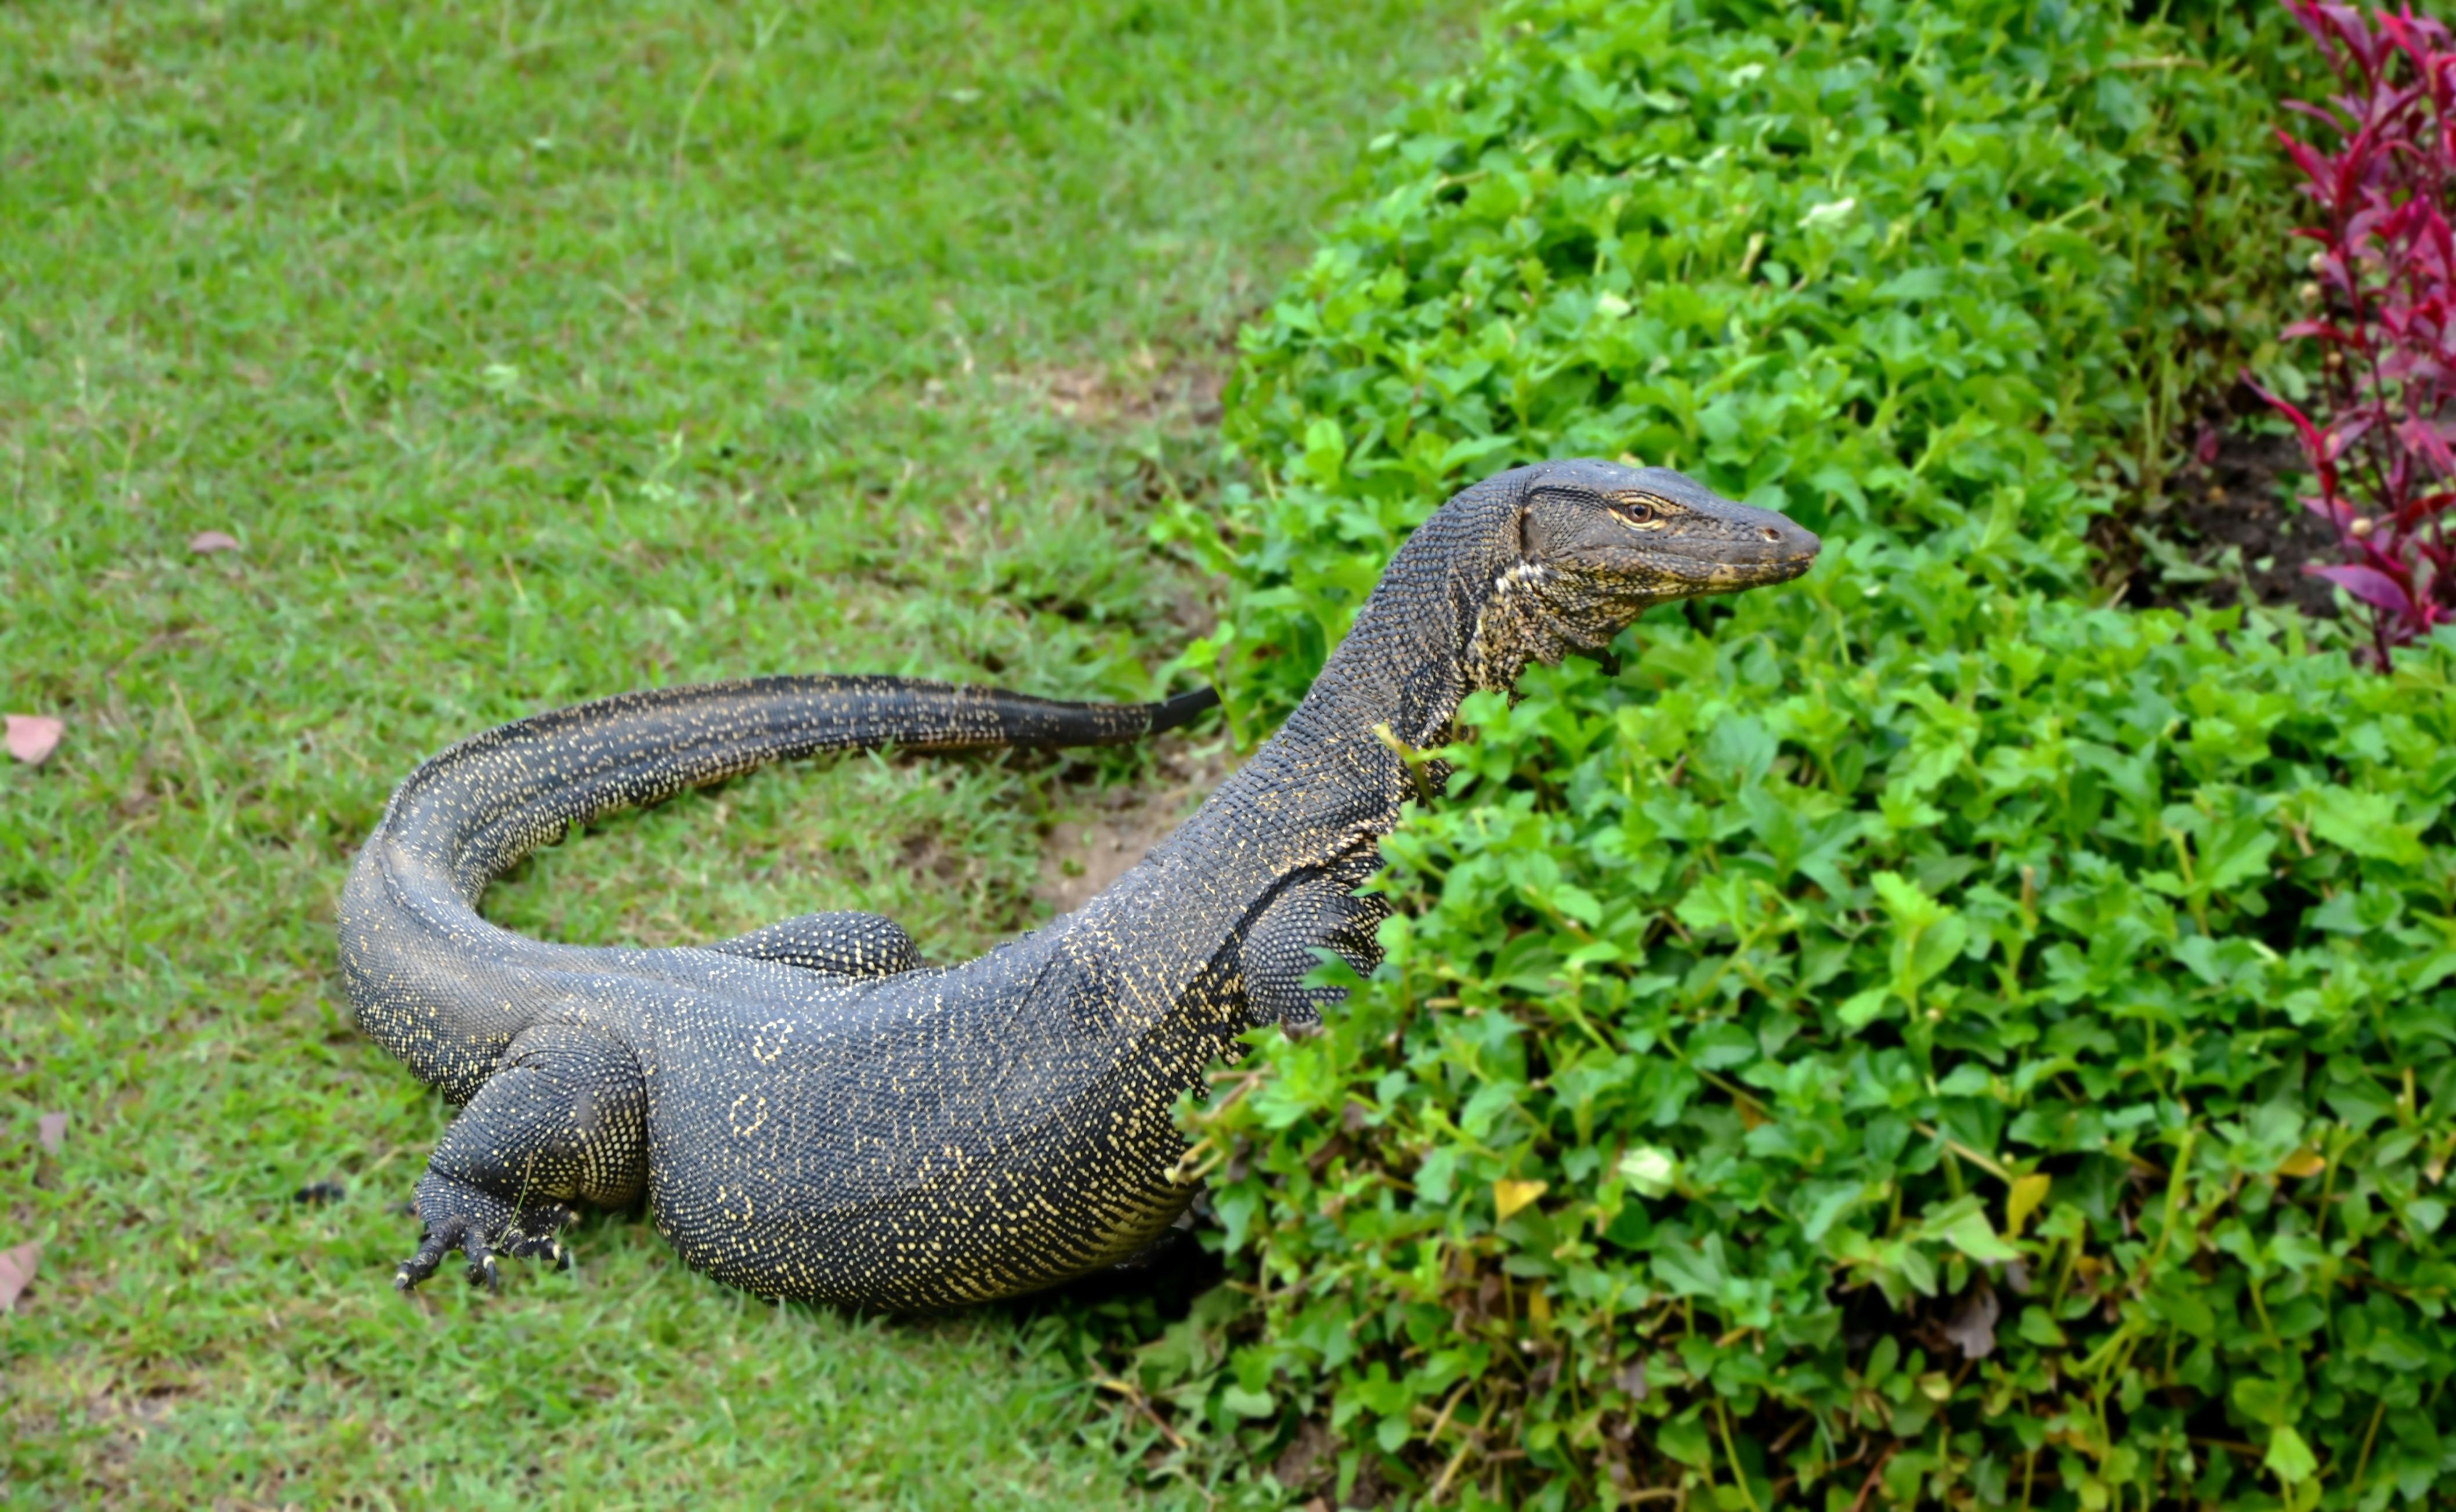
1183	709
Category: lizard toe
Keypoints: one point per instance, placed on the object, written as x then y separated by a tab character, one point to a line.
486	1229
537	1236
440	1239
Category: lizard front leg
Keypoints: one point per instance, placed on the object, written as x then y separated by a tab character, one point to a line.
563	1118
1285	944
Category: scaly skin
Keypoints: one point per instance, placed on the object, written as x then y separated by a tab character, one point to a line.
858	1128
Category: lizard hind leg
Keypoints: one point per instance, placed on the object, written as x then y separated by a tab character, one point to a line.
564	1119
840	944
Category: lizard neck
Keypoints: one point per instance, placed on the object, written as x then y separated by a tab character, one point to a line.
1321	793
1452	614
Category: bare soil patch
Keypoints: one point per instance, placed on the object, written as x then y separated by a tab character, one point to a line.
2230	527
1175	392
1083	856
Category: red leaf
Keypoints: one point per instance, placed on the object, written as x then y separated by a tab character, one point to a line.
16	1269
206	541
2320	329
2369	585
2312	446
2335	511
2408	522
2314	167
33	737
2423	437
2381	163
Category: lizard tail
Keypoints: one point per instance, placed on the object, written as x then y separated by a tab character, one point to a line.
427	976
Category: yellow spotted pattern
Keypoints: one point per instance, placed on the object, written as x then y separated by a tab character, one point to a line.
808	1111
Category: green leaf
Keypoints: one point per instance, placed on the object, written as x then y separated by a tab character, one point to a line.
1326	452
1472	449
1863	1008
1905	900
2262	1399
1649	1170
1918	283
2366	824
1685	1439
1689	1270
1971	1233
2289	1459
1245	1404
1577	903
1826	1206
1491	1103
1740	748
2236	854
2037	1326
1937	945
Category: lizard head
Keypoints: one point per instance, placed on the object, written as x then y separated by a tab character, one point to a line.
1598	542
1635	535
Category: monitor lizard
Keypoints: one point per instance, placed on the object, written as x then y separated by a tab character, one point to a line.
811	1112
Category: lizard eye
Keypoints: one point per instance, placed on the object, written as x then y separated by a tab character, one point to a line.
1637	513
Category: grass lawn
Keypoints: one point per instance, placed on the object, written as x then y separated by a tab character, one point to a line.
532	353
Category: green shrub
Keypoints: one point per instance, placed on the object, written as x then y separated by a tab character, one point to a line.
2020	1072
1914	276
1904	1037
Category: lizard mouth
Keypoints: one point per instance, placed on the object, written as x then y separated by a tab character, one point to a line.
1758	548
1795	559
1720	561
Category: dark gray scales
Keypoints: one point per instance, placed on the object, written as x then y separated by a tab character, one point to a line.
845	944
812	1111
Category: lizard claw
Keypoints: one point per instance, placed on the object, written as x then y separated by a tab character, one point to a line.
440	1241
457	1231
543	1246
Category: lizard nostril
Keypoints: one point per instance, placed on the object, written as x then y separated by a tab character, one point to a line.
1770	534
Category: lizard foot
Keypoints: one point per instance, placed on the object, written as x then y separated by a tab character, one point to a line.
1310	925
527	1233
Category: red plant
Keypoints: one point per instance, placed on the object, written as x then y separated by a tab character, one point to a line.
2385	451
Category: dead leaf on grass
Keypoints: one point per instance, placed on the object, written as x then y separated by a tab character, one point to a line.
2304	1163
1508	1196
16	1269
1631	1378
208	542
52	1130
2028	1191
33	737
1973	1326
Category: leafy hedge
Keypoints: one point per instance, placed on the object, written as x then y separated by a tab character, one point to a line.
1908	1037
1936	274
